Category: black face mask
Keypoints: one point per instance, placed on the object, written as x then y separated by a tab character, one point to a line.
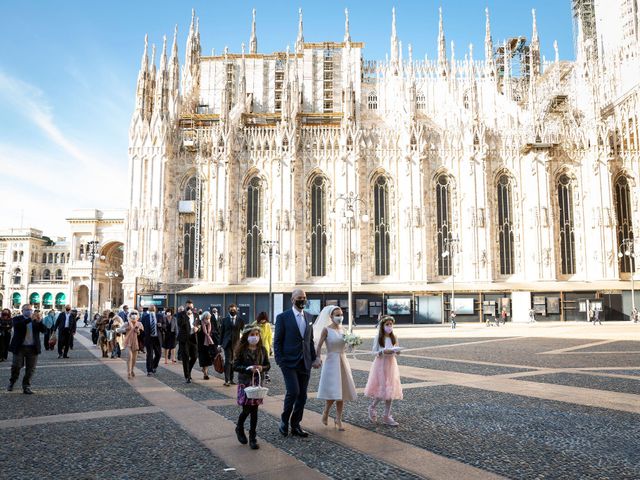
68	309
300	304
232	313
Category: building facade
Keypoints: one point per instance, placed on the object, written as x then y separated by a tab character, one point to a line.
503	179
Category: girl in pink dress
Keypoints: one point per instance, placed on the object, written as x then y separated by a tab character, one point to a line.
384	376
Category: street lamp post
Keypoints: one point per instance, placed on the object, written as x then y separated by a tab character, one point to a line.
270	248
349	216
627	249
111	274
92	253
451	245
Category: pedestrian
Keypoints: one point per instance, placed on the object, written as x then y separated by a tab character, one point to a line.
66	326
532	316
131	329
86	318
503	316
101	326
187	330
25	346
232	326
295	354
336	381
124	313
266	334
634	315
383	383
117	342
171	332
452	320
5	333
596	317
48	321
94	328
151	339
216	320
251	362
207	343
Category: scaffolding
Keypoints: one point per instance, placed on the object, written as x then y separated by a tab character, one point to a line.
584	14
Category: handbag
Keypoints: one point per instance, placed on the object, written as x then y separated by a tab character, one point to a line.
218	363
53	339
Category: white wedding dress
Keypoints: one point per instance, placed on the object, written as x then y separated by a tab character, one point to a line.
336	381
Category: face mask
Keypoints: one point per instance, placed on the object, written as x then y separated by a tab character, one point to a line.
68	309
388	330
27	313
253	339
300	304
337	320
233	313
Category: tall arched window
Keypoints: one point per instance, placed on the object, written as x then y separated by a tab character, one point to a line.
188	220
381	225
50	260
505	224
46	275
44	258
253	234
372	101
443	218
318	226
622	197
59	274
567	236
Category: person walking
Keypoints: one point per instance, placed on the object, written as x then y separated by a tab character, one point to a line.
503	316
532	316
266	334
187	330
207	343
48	321
232	326
124	313
101	325
251	362
151	339
383	383
25	346
5	333
171	332
66	326
131	329
295	354
336	381
117	342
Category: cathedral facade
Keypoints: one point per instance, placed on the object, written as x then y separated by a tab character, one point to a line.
481	181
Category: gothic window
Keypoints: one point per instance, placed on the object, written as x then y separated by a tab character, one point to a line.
318	226
17	276
50	260
624	228
189	193
443	219
44	258
421	102
567	236
505	224
46	275
253	234
372	101
381	225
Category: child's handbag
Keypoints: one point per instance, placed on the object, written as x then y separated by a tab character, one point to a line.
257	391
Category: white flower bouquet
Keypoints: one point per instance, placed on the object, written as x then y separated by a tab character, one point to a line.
351	340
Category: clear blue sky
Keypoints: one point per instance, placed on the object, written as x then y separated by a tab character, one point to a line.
68	71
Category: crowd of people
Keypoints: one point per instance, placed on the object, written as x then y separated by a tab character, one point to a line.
238	349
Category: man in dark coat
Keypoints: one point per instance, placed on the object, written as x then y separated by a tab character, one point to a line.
230	331
187	330
66	327
25	346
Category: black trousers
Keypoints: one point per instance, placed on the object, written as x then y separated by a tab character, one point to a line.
64	341
189	351
252	411
296	381
154	352
228	364
47	335
5	340
27	356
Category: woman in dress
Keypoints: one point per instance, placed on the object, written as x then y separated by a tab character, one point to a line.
207	342
131	329
170	336
336	381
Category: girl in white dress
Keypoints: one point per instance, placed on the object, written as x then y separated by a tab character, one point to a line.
336	382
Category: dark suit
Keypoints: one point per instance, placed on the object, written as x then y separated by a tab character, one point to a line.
65	333
230	334
23	354
152	344
188	343
294	354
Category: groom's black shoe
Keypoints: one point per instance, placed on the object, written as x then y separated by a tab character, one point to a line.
283	429
298	432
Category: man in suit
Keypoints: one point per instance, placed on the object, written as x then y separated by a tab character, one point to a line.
230	331
124	313
187	329
295	354
151	337
66	326
25	346
215	321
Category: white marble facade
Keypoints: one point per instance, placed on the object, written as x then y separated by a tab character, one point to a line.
535	161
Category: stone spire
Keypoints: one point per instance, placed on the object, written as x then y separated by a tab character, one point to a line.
394	40
534	49
151	84
347	35
443	66
300	39
141	86
555	48
161	106
490	64
174	71
253	42
191	68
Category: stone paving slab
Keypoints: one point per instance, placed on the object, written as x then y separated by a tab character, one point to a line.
134	447
620	346
613	384
194	391
632	372
466	367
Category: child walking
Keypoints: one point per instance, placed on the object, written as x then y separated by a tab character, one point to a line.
250	361
383	383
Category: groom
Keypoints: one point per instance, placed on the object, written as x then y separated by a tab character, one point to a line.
295	354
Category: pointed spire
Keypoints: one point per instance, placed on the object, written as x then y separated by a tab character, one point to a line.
347	35
534	35
555	48
300	39
394	39
253	42
453	59
144	63
142	83
442	48
535	46
153	57
162	83
163	56
488	41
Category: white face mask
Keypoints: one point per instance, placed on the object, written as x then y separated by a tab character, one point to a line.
253	339
337	320
388	330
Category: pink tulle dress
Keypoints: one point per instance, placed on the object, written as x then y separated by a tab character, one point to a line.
384	376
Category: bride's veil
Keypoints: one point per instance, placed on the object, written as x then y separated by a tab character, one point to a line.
323	320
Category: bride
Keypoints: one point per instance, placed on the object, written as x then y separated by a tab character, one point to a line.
336	382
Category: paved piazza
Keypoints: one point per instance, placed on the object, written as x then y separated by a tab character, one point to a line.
533	401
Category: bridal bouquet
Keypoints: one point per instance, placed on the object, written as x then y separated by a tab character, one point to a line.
352	340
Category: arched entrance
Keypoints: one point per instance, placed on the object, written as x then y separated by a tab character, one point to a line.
83	296
109	275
